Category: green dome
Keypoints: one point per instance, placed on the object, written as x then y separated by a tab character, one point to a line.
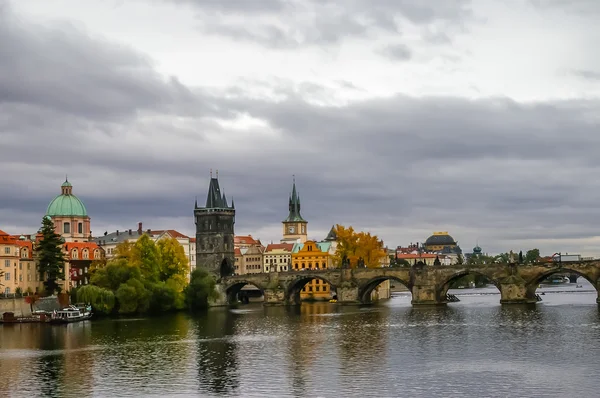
66	184
66	205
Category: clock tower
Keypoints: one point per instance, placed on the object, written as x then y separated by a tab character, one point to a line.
294	226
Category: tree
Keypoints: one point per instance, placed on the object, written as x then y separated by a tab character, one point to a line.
358	247
172	261
50	257
459	259
532	256
521	257
200	290
144	255
101	300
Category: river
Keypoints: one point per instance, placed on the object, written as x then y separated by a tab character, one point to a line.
472	348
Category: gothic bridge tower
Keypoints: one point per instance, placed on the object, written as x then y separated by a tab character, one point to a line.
214	231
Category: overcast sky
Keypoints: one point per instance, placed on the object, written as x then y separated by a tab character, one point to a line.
400	117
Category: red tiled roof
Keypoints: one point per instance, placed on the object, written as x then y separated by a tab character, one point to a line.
27	244
6	238
276	246
237	252
192	240
175	234
80	245
246	240
410	256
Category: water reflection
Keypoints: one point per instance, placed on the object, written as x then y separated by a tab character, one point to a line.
216	353
471	348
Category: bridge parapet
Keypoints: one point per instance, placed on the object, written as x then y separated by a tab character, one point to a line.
428	284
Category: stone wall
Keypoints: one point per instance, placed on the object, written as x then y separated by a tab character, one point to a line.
16	305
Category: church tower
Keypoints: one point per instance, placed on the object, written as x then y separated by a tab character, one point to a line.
214	231
294	226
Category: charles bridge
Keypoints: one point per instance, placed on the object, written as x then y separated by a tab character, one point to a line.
429	285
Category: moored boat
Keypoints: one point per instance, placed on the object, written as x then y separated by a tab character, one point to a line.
71	314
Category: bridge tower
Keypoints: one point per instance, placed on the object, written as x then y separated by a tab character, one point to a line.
214	231
294	226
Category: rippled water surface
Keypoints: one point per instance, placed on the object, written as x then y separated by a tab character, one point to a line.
473	348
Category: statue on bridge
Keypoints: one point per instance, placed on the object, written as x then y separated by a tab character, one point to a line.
360	263
345	262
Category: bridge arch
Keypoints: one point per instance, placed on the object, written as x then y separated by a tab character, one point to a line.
442	289
233	290
295	286
533	283
365	290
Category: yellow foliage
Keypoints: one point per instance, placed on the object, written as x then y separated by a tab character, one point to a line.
356	246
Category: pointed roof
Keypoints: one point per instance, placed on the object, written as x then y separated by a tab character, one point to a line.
331	235
294	206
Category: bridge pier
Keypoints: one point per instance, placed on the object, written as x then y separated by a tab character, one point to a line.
426	295
274	296
516	292
347	294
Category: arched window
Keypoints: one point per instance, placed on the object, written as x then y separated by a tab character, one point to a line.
303	265
96	253
66	228
324	265
80	228
84	254
74	254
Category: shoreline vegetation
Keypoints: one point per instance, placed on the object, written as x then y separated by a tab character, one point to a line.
146	278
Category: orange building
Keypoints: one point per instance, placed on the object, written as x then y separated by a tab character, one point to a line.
312	255
16	260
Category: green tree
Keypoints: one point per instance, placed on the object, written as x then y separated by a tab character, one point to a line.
459	259
50	257
200	290
116	272
133	297
532	256
144	255
172	261
102	300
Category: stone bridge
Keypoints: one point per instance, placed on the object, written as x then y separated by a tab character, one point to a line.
429	284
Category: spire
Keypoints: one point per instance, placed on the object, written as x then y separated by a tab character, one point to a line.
214	199
224	199
232	203
196	203
294	205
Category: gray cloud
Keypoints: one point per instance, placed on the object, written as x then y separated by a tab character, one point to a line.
294	23
138	148
397	52
587	74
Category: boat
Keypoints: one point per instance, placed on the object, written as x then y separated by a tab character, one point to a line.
71	314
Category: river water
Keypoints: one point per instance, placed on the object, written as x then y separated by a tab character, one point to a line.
473	348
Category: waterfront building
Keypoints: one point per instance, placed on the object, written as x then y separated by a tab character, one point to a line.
312	255
245	242
69	215
294	226
278	257
249	260
215	231
79	257
16	260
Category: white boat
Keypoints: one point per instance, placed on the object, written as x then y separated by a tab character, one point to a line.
71	314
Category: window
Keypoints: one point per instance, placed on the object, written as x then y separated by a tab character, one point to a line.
80	228
317	288
7	276
7	250
20	266
75	255
7	290
84	254
66	228
20	277
7	263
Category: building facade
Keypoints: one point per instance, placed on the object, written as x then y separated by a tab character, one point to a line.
79	257
215	231
249	260
312	255
278	257
294	226
20	273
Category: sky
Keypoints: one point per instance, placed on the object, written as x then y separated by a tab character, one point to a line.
397	117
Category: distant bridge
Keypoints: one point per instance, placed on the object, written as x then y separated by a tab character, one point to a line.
428	284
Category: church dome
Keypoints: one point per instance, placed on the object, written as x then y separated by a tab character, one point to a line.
440	239
66	204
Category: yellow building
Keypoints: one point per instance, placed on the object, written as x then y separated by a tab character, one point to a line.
16	261
312	255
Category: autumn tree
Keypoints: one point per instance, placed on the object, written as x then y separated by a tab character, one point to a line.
172	261
144	255
50	257
355	246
